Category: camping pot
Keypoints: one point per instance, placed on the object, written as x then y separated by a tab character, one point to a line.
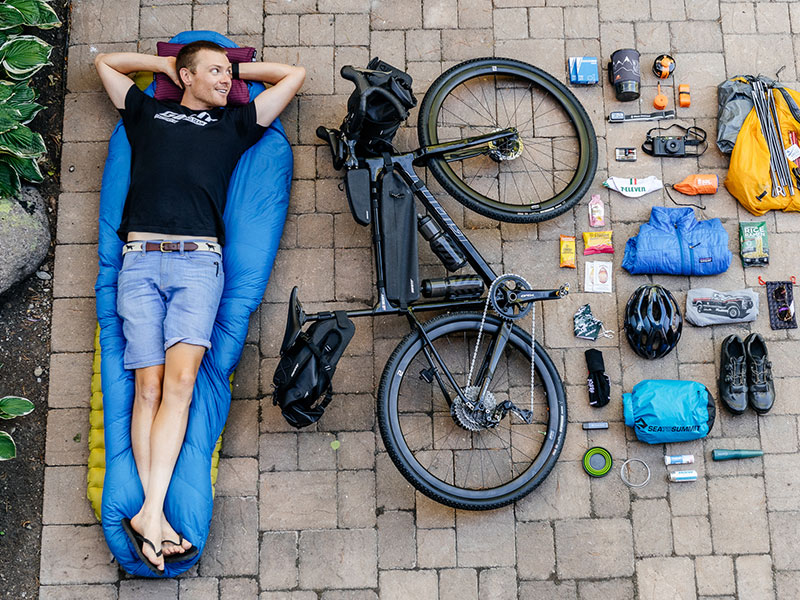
623	73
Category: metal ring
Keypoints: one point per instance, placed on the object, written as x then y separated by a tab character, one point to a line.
626	481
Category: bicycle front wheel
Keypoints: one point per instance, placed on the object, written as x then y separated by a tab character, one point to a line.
441	451
537	177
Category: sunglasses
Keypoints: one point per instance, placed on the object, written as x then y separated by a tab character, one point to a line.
785	311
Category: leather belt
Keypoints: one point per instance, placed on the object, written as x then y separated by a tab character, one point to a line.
171	247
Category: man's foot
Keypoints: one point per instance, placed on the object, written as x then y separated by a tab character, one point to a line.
172	542
149	529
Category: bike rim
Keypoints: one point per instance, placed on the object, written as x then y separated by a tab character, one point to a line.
555	158
491	464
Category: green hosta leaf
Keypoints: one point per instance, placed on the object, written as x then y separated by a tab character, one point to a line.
23	55
10	17
10	118
28	8
9	182
14	406
26	168
22	93
47	16
22	142
8	449
28	111
36	12
6	90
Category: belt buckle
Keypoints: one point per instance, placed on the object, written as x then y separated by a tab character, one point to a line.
162	247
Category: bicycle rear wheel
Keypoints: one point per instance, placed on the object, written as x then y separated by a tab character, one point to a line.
436	449
545	175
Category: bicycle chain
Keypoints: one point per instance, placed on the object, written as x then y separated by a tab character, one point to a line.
489	297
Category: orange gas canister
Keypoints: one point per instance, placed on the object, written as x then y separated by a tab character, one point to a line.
698	184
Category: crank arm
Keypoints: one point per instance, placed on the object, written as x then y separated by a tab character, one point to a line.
536	295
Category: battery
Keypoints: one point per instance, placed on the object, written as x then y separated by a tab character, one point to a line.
683	476
625	154
679	459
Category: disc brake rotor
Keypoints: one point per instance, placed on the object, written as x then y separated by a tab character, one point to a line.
504	150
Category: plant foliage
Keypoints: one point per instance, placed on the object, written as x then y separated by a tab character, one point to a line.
21	56
10	407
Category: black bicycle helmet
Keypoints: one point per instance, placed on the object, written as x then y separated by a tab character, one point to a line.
653	321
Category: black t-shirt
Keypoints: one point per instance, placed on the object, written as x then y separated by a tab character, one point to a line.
181	164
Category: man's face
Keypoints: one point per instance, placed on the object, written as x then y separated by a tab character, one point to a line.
211	83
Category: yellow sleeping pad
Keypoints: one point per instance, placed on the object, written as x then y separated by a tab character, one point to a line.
97	450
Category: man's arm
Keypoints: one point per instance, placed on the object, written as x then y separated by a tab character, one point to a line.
286	81
114	68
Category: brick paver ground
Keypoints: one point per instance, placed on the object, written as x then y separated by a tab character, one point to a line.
294	518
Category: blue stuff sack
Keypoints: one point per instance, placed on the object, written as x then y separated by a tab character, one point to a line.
665	410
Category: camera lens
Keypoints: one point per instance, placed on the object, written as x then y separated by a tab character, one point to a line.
672	146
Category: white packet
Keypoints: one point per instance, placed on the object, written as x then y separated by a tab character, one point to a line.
597	276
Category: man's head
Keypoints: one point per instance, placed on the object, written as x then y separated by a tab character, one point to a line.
205	74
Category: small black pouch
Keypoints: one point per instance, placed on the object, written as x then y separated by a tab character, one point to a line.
597	381
399	232
356	184
780	300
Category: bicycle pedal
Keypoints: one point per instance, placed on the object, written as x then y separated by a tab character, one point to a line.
427	375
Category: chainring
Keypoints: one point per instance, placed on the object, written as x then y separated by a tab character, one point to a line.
503	295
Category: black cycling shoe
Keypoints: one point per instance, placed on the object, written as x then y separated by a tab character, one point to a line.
760	388
732	375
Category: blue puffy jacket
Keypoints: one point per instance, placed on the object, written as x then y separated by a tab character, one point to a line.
674	242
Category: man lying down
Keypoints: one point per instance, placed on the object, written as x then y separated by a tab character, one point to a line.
171	279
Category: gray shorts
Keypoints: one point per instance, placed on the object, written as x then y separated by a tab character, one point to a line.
165	298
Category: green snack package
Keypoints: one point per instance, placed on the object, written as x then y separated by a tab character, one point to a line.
753	245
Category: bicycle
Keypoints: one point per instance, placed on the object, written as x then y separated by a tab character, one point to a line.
471	408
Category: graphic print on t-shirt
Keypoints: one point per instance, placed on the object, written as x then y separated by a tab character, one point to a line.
201	119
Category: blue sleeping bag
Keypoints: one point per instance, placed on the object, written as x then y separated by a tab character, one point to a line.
674	242
258	198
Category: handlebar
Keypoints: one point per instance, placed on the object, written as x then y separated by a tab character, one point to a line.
365	90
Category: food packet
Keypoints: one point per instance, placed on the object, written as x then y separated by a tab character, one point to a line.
567	245
597	242
753	245
597	276
597	212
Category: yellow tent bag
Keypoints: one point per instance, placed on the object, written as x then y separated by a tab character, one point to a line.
748	177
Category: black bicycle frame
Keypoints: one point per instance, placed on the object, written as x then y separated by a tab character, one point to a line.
404	164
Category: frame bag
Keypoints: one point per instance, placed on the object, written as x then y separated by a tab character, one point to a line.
399	228
306	368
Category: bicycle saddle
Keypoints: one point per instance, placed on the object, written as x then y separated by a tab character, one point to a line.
294	322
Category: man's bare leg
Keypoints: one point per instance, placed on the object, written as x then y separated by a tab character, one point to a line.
166	439
146	400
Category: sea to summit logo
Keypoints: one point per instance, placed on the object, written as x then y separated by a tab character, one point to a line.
642	424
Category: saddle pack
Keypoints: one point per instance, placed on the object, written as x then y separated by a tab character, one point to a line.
303	375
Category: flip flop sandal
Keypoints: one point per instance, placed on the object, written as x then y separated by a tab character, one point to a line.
138	541
180	556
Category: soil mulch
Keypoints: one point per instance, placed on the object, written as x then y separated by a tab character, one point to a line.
25	312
